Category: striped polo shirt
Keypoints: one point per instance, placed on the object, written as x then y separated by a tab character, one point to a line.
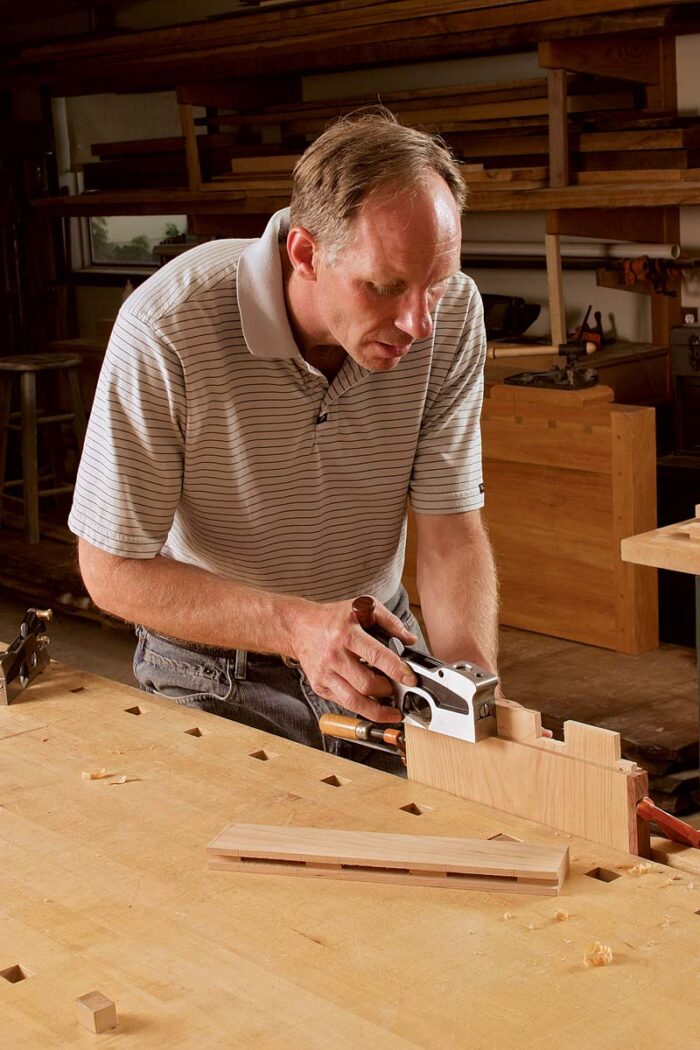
211	440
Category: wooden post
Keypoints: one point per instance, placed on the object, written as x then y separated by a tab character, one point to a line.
555	285
558	176
633	449
558	128
194	169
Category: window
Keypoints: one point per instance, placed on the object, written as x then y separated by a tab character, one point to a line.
128	240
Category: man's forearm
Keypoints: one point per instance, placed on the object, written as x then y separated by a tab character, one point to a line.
189	603
459	600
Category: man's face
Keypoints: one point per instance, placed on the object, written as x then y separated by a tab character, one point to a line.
375	298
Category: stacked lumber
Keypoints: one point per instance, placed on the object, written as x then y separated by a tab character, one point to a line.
161	162
500	110
320	36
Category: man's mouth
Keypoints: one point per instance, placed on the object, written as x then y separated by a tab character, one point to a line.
394	349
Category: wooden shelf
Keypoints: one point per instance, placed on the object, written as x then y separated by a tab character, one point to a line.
233	202
346	34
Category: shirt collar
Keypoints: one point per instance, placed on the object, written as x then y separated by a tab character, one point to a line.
260	293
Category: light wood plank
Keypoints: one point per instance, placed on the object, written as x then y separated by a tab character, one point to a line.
669	547
539	780
417	859
555	288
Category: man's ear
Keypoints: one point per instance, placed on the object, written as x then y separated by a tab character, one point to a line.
302	250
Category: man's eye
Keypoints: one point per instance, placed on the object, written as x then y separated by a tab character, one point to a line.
384	289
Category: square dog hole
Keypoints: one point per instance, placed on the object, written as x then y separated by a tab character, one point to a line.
262	755
335	781
603	874
15	974
194	732
500	837
415	809
133	711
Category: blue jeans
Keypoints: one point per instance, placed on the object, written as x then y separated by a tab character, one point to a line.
257	689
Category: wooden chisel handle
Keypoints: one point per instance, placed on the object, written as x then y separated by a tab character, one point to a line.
343	726
676	829
363	611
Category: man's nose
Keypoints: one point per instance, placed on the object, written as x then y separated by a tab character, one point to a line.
415	319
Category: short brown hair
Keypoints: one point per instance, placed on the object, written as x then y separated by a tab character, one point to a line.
359	155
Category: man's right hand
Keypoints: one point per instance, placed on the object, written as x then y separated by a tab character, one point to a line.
341	660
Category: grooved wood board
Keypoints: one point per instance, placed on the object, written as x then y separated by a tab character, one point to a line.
579	786
497	866
106	886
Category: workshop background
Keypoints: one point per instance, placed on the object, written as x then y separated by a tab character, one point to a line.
126	139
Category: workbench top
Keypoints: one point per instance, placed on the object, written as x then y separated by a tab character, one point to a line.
666	548
106	887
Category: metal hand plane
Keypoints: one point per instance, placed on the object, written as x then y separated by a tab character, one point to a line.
453	699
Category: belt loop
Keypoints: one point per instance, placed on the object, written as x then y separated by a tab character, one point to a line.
241	665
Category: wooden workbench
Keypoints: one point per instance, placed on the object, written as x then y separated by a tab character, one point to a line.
106	887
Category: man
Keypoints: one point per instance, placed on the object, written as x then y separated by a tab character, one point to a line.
265	410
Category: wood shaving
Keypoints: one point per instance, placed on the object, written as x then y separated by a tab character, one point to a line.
95	774
665	922
507	915
597	954
639	869
123	780
567	941
561	916
691	885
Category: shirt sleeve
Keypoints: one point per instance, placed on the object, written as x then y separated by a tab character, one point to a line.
447	473
130	476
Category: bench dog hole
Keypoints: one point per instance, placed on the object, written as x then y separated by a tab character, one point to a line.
262	755
15	974
603	874
194	732
335	781
415	809
133	711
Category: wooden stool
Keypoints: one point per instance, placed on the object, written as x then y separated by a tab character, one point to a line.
28	366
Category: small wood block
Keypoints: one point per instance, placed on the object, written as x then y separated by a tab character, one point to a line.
692	530
96	1012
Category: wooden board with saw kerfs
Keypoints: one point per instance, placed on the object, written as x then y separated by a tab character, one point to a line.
579	785
368	856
